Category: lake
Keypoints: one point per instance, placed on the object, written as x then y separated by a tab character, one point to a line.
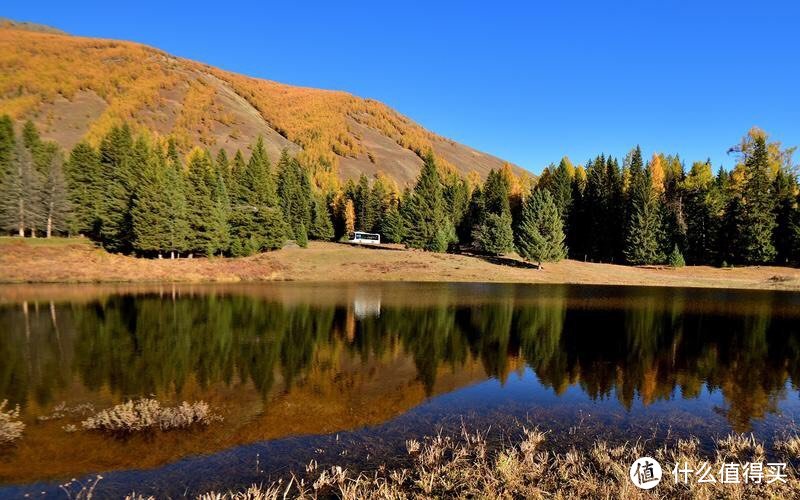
344	374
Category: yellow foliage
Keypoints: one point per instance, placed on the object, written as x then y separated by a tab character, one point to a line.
657	173
37	68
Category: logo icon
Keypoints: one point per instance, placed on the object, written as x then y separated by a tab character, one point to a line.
645	473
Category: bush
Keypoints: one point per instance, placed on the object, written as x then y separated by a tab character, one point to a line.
148	414
10	426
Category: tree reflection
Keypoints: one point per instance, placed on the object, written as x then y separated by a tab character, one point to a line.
655	346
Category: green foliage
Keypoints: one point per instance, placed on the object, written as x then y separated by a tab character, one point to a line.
643	240
675	258
393	228
757	218
540	237
321	225
301	236
294	193
495	236
427	226
116	186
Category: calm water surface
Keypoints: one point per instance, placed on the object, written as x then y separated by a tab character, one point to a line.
345	373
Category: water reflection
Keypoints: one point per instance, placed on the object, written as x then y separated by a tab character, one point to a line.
626	344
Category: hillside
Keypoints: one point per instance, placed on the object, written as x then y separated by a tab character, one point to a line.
75	88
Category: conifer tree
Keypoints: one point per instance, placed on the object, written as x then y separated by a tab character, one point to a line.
701	226
392	225
540	235
427	224
362	203
20	193
321	225
494	236
302	236
643	243
150	210
117	185
785	188
294	193
757	220
380	199
56	206
7	140
84	180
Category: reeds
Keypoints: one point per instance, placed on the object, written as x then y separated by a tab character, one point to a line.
10	427
144	414
465	467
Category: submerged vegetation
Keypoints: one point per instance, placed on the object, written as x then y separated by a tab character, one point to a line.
10	427
467	466
147	414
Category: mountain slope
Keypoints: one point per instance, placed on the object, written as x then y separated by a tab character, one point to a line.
75	88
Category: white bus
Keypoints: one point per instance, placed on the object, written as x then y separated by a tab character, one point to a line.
363	238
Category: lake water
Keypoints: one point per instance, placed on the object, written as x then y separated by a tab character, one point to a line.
343	374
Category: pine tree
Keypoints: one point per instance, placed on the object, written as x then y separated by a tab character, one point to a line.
644	226
380	199
20	193
362	203
785	189
540	236
427	224
494	236
117	185
7	140
675	258
393	226
321	225
56	205
294	193
560	187
84	181
757	221
473	217
150	210
302	236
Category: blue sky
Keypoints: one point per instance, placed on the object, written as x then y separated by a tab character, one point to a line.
526	81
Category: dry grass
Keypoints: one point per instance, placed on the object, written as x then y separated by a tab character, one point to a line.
147	414
77	261
466	467
10	427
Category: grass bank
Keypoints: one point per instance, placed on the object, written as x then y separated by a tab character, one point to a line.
78	261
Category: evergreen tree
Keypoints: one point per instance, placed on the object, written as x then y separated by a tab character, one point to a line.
473	218
198	198
117	185
427	224
494	236
675	258
701	217
393	226
644	235
7	140
321	225
294	193
495	193
560	187
380	199
85	183
540	235
20	193
757	221
362	203
785	189
56	205
150	211
302	236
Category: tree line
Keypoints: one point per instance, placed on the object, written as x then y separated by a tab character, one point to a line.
136	194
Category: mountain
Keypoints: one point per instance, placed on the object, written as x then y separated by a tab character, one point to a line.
76	88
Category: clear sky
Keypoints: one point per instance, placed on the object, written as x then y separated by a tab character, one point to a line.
526	81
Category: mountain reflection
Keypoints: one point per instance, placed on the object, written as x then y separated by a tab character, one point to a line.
637	344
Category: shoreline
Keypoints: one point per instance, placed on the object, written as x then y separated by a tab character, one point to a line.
76	261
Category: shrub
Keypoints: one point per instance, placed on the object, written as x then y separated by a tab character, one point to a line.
10	426
148	414
676	258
